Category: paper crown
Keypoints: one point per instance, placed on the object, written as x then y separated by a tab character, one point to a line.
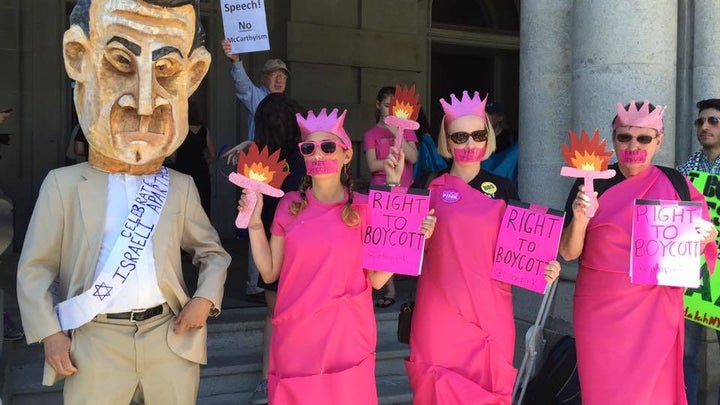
466	106
324	123
643	118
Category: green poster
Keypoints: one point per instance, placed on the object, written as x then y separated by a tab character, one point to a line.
702	305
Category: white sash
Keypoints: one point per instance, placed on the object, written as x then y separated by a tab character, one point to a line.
124	257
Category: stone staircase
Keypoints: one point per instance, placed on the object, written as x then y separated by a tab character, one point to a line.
234	363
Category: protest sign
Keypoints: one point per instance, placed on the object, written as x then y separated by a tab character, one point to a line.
529	238
245	25
392	240
665	245
702	304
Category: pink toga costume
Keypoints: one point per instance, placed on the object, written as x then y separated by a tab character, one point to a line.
463	332
629	337
323	345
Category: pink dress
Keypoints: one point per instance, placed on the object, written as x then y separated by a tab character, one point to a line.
322	349
381	139
463	331
629	337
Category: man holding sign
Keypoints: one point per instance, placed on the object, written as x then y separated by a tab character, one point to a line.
629	336
706	161
273	80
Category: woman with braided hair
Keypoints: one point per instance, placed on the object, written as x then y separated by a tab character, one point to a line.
323	343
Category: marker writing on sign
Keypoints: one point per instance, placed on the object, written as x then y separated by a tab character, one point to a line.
662	240
231	8
399	202
532	223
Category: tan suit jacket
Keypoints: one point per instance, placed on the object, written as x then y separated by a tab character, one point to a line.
64	237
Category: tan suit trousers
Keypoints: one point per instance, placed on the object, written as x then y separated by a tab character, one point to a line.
120	360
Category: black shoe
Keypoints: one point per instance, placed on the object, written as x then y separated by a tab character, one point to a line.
12	331
258	298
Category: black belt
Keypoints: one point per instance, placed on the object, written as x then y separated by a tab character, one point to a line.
138	316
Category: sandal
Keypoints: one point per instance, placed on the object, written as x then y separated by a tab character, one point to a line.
385	302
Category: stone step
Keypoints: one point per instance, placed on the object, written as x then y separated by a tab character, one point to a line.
225	373
392	390
235	362
244	327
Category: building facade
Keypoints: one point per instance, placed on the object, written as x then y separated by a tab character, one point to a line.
554	64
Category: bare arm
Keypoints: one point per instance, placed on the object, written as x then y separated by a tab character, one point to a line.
410	149
268	255
572	240
374	164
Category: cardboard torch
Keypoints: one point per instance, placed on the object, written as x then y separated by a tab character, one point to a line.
404	110
258	171
587	159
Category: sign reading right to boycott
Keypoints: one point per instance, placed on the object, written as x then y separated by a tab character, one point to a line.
244	25
529	238
702	304
392	241
665	246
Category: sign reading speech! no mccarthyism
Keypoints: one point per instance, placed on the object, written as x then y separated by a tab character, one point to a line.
245	25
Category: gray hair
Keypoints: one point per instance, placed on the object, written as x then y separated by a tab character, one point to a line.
81	16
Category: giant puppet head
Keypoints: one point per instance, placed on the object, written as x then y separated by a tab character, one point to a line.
135	63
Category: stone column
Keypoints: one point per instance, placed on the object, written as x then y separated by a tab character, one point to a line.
706	59
685	110
706	85
545	103
545	106
622	51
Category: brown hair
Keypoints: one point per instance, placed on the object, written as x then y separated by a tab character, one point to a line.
350	216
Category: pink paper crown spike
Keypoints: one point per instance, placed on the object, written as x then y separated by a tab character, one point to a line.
465	106
324	122
643	118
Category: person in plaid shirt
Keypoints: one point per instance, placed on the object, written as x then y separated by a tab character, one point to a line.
704	160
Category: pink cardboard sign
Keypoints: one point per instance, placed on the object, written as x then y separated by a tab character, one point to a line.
529	238
665	247
392	240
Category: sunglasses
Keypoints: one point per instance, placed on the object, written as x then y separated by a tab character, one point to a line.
462	137
643	139
327	147
714	121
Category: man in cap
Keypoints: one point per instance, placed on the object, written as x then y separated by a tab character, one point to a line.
273	80
110	230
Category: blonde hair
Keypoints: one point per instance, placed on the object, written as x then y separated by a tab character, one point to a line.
442	144
350	216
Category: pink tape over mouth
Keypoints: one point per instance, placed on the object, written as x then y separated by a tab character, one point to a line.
317	167
472	155
627	156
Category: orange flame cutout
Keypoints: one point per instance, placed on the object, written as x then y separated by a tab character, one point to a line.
585	153
404	104
262	166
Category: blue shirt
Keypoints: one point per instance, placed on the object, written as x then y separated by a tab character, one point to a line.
248	93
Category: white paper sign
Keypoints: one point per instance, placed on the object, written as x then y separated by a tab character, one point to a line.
245	25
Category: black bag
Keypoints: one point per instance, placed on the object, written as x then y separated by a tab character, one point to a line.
405	315
404	322
558	381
